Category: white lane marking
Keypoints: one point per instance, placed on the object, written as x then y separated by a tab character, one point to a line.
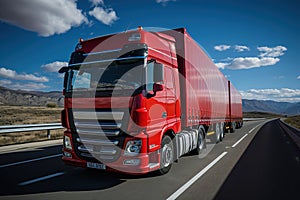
41	178
251	130
239	141
27	161
195	178
255	127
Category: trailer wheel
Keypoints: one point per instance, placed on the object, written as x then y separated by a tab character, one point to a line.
239	124
219	128
232	127
166	155
201	143
222	131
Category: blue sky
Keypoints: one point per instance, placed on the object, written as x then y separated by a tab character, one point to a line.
254	43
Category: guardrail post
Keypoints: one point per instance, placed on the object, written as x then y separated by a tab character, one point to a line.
48	134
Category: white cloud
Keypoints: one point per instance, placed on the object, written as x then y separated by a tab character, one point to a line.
44	17
268	56
283	94
298	77
221	65
163	1
97	2
5	82
272	52
22	86
279	77
54	66
222	47
226	59
248	63
106	16
8	73
241	48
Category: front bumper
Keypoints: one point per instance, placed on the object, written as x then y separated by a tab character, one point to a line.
125	164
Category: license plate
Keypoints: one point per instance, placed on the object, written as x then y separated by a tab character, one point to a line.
95	165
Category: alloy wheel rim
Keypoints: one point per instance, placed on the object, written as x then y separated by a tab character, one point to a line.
167	155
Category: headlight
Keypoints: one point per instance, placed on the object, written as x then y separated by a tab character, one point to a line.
67	142
133	147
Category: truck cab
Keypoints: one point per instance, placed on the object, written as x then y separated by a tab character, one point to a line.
121	97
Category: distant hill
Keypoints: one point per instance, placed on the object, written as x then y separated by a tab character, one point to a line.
268	106
36	98
29	98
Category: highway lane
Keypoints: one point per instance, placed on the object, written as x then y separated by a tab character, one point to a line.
269	168
52	179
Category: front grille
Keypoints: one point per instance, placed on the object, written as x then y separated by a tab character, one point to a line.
98	134
98	129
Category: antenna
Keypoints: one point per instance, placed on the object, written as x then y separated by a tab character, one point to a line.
128	26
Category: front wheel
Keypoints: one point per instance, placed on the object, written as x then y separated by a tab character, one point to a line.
166	155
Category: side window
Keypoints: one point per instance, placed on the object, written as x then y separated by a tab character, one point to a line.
169	80
82	81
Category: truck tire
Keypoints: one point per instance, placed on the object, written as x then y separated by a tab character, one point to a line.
232	127
201	143
219	128
239	124
166	155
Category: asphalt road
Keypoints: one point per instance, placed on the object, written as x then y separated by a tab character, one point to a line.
225	172
269	168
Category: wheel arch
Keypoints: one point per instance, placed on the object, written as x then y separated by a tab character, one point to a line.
169	132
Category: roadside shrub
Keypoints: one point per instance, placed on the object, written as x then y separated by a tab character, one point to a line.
51	105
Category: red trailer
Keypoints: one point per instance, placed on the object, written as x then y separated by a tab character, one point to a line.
138	100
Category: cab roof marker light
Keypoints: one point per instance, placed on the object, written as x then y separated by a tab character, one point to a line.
79	46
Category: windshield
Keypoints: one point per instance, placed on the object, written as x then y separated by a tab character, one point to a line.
117	76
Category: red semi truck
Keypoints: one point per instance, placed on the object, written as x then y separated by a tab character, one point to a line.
138	100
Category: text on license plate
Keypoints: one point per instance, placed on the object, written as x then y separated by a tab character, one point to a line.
95	165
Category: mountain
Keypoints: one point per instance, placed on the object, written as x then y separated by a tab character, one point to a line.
36	98
29	98
294	109
269	106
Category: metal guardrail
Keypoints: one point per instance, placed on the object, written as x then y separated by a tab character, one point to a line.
253	119
52	126
30	127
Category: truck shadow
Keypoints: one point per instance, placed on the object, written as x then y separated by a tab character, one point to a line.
73	179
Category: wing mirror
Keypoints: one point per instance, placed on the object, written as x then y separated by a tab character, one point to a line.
158	75
63	70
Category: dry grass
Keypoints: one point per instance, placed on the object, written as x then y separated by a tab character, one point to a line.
261	115
13	115
293	121
24	137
